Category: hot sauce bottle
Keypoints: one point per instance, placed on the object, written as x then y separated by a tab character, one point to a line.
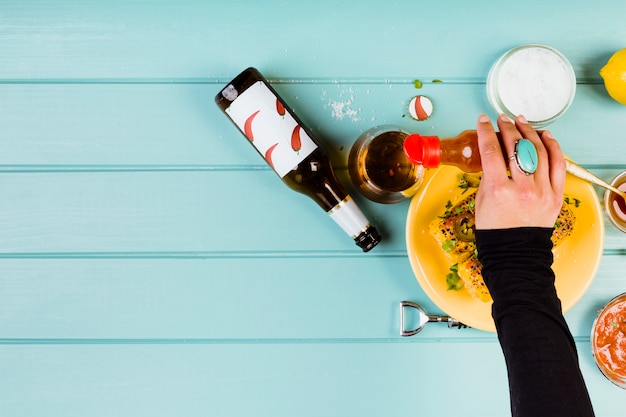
292	151
430	151
462	152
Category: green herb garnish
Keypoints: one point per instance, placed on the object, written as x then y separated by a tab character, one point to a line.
471	205
468	181
448	245
576	202
448	212
453	280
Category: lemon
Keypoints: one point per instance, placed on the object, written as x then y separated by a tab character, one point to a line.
614	76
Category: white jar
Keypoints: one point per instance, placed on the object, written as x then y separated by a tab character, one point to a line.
534	80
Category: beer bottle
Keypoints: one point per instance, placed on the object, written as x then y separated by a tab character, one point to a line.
291	150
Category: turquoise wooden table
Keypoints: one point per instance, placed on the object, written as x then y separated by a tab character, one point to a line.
152	264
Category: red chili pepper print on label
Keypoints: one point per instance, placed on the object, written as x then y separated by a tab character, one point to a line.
280	109
247	127
296	142
266	120
268	154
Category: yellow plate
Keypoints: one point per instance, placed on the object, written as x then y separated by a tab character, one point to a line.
576	259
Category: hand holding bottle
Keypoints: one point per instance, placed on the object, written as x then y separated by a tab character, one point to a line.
518	200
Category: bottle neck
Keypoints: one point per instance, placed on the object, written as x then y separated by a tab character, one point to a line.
462	151
350	218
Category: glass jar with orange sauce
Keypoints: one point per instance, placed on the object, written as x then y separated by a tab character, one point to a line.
608	340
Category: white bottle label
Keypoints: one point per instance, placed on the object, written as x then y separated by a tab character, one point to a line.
348	215
271	128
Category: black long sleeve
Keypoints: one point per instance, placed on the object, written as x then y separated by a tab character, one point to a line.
540	353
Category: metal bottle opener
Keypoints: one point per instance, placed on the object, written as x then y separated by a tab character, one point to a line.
423	319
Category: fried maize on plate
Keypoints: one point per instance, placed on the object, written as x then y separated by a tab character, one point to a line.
442	229
470	273
463	253
564	224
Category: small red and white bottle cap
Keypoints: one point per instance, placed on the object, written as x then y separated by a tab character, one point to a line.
420	108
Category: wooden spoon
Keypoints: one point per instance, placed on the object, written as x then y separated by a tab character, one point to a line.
580	172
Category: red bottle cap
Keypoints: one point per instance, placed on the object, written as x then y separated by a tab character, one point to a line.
423	150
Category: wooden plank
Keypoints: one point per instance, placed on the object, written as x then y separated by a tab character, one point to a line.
173	211
187	212
231	299
267	380
187	39
248	379
177	126
215	299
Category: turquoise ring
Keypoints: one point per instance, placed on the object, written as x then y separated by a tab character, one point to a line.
525	156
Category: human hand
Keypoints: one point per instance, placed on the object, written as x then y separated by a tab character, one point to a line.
518	200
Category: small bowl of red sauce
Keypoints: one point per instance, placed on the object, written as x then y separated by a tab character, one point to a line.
608	340
614	205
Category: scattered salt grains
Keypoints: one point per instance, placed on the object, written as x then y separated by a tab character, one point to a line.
342	108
